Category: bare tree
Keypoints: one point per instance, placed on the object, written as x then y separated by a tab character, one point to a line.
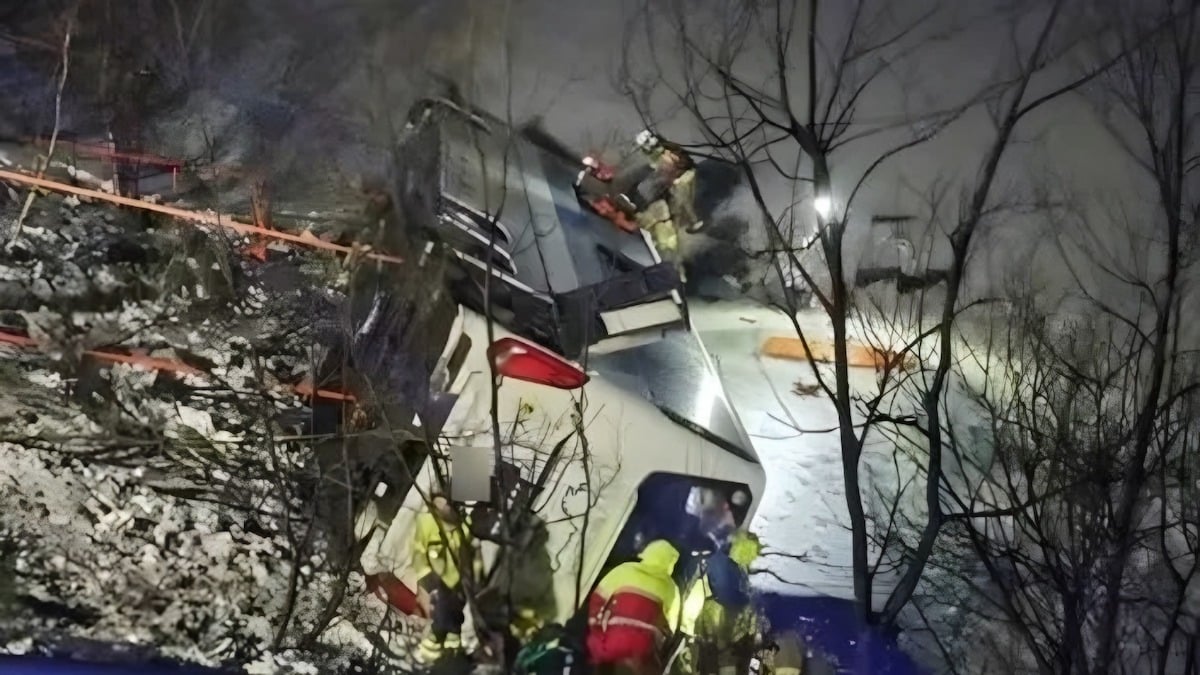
1087	544
1025	554
778	89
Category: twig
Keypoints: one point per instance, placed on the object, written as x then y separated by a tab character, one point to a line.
62	83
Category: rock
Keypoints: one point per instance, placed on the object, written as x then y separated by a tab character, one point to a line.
41	289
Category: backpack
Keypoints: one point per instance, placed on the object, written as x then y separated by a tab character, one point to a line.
728	582
553	651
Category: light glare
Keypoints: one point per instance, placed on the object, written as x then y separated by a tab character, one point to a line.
823	205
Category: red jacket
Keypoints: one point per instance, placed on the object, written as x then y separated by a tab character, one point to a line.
634	609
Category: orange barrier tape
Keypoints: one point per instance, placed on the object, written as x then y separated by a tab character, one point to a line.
306	239
303	389
19	340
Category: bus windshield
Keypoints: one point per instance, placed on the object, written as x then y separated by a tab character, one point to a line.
676	375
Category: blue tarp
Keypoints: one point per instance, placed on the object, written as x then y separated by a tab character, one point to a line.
829	624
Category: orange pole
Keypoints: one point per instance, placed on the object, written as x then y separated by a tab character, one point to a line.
306	389
306	239
151	362
18	340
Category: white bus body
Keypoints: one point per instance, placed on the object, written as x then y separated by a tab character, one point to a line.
628	439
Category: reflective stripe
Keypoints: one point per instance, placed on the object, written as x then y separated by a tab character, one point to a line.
606	619
635	601
697	594
428	651
606	622
634	623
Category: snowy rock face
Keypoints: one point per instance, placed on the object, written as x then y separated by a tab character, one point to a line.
165	508
204	582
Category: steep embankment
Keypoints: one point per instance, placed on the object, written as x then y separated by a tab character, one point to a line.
156	491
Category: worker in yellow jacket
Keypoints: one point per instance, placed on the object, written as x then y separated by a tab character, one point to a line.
673	205
443	544
633	613
718	611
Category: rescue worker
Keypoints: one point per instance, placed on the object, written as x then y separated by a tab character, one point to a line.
443	543
656	220
710	528
672	174
553	650
718	612
612	209
683	201
594	187
633	612
594	167
720	524
525	571
792	655
664	214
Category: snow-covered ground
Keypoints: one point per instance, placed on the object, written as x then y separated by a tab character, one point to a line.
144	509
803	512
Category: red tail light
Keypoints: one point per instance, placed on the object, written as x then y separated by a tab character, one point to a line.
523	361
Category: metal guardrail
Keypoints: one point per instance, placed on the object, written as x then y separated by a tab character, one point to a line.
106	151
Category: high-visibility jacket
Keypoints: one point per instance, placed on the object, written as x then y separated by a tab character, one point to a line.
438	555
707	618
717	605
683	200
634	609
656	219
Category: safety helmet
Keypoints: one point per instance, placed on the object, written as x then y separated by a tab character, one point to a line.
646	140
590	162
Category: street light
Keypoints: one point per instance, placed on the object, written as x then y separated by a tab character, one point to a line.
823	205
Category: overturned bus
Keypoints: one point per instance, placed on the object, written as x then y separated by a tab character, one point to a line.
602	390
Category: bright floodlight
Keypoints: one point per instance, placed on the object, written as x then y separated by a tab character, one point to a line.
823	205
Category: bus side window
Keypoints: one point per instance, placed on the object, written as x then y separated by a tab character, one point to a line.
458	357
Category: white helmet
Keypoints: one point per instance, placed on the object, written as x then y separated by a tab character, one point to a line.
590	162
646	140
